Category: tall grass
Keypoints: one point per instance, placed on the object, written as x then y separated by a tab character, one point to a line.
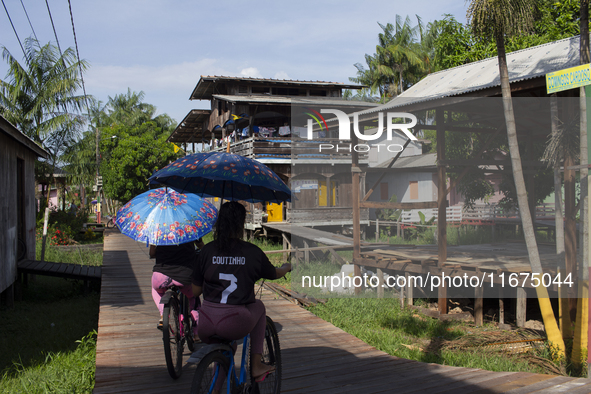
61	372
48	339
404	333
56	254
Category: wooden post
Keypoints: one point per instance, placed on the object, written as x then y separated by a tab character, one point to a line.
355	171
441	205
501	306
409	290
380	283
306	252
46	219
521	301
377	229
285	246
402	291
478	305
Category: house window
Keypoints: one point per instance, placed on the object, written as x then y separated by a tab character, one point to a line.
314	92
242	89
260	90
414	190
384	191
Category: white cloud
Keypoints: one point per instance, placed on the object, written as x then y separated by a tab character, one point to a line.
168	77
281	75
252	72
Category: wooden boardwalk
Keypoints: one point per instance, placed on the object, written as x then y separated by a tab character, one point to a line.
317	357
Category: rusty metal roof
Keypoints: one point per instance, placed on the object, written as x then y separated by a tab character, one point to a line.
190	127
206	86
530	63
299	100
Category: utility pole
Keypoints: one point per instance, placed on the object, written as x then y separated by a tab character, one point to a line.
98	193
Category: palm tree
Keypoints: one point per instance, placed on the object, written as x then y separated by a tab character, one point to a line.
398	51
369	77
497	19
580	339
40	96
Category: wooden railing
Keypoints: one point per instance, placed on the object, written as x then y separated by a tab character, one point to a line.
294	149
323	214
480	214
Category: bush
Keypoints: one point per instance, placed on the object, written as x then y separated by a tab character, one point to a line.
63	227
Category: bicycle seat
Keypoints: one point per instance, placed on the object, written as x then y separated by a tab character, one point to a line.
217	339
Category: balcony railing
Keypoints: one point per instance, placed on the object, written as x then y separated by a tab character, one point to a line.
298	150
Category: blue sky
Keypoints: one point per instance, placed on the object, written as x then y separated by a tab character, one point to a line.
163	47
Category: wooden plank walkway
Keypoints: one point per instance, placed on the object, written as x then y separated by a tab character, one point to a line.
63	270
317	357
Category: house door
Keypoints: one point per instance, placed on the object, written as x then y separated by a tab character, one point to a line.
323	195
274	212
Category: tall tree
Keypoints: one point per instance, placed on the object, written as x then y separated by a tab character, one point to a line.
580	339
497	19
40	96
398	52
131	158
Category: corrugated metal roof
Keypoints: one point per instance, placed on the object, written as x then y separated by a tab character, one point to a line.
426	160
530	63
282	81
189	126
207	84
271	99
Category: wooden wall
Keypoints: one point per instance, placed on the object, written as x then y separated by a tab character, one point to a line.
10	152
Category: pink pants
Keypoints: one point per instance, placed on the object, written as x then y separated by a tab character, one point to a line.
161	283
234	322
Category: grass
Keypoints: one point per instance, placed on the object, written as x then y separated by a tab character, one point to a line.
48	339
407	334
59	254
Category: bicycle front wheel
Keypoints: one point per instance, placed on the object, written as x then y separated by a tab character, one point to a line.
173	343
271	356
212	374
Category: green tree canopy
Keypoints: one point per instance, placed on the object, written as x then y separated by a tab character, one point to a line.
129	159
40	96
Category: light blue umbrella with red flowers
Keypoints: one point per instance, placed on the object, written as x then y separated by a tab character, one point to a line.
165	217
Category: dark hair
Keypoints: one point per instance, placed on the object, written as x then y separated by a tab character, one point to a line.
230	225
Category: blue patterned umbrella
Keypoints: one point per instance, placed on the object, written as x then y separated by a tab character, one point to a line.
166	217
226	175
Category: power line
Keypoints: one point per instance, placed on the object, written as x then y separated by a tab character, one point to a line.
14	29
77	55
52	25
30	24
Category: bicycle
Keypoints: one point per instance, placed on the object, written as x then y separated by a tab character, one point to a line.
216	370
111	221
177	329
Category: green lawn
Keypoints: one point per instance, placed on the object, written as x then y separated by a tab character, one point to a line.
48	339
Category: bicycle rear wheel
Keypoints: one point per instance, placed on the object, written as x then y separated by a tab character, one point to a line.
188	323
271	356
212	374
173	340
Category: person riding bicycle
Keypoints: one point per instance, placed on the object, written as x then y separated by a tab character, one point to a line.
226	272
174	266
